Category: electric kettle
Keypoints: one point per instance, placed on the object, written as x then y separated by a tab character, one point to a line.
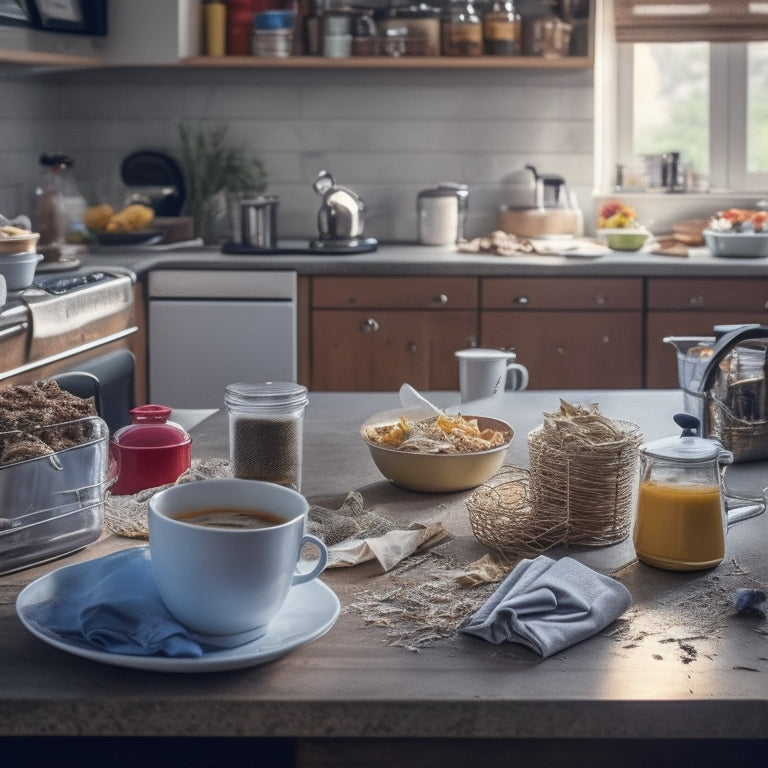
683	505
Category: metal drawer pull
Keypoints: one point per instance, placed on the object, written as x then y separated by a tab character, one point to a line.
696	301
521	300
410	347
601	299
560	351
369	326
441	299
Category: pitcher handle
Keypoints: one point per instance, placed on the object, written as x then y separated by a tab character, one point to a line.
738	508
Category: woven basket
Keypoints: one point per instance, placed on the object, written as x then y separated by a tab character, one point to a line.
503	519
591	486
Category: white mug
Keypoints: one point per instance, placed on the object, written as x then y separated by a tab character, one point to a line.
225	584
483	373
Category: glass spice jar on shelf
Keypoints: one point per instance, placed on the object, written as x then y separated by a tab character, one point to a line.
461	30
502	29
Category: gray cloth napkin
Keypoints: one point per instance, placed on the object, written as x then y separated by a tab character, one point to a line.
549	605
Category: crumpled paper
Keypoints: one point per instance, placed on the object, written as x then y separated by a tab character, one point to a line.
354	535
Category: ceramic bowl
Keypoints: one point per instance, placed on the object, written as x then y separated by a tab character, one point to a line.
19	243
624	239
737	245
18	269
437	472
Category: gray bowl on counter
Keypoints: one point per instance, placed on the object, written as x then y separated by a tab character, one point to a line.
18	269
737	245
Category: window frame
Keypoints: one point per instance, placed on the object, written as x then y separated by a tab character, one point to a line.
727	116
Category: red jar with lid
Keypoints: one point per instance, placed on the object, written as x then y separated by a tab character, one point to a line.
149	452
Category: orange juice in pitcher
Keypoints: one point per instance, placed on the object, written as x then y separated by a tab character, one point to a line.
679	527
682	514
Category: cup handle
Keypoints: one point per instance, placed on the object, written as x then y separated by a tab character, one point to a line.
523	371
320	563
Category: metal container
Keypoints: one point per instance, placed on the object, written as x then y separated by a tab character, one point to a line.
258	221
54	505
442	213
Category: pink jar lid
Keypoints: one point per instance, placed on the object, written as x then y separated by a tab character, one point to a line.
150	428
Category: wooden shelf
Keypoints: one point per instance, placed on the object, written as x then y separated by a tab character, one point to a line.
388	62
38	58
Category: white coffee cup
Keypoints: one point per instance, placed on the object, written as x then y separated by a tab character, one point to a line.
225	584
484	373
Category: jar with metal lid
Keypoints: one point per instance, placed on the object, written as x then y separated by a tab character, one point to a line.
502	29
266	422
461	30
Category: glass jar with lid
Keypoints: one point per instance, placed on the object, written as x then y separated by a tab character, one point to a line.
461	30
502	29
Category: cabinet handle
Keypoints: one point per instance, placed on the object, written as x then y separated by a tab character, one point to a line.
560	351
441	299
601	300
410	347
521	300
369	326
696	301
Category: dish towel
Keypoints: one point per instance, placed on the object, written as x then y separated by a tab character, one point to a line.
112	604
549	605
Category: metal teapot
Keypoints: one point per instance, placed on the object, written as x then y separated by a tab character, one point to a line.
341	218
683	505
724	382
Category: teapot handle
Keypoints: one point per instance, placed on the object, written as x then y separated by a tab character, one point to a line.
724	345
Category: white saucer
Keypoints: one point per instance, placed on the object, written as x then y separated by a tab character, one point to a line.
309	611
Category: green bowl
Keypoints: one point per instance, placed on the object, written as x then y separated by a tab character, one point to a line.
626	241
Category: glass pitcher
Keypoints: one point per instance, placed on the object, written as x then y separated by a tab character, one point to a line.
683	505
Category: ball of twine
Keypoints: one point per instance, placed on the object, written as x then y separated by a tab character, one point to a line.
580	488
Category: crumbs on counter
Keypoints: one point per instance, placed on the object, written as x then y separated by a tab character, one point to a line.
499	243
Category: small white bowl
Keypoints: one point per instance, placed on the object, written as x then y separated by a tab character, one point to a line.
18	269
737	245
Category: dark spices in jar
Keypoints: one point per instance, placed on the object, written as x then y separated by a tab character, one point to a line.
502	29
266	449
265	431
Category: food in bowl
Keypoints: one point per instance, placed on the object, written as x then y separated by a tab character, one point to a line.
436	454
17	240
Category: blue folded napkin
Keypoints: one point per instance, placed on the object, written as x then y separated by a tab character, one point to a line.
112	604
549	605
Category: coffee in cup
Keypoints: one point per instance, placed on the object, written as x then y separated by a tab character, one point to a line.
487	372
224	554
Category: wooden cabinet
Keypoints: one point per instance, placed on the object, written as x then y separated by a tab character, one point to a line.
570	333
691	307
374	333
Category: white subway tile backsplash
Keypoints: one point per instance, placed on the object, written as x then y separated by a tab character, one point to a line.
387	134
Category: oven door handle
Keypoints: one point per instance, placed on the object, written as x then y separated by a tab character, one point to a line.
12	330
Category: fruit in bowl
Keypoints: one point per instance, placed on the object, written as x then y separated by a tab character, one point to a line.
436	454
617	224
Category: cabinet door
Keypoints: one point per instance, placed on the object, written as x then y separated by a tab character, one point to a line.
571	350
381	349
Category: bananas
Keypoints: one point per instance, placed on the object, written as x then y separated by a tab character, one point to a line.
132	218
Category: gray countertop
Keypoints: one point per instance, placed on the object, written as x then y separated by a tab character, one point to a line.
404	259
680	664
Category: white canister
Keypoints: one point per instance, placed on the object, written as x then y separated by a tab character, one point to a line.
442	211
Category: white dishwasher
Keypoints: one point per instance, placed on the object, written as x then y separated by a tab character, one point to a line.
210	328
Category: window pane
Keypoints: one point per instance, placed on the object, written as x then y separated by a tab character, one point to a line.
671	101
757	108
